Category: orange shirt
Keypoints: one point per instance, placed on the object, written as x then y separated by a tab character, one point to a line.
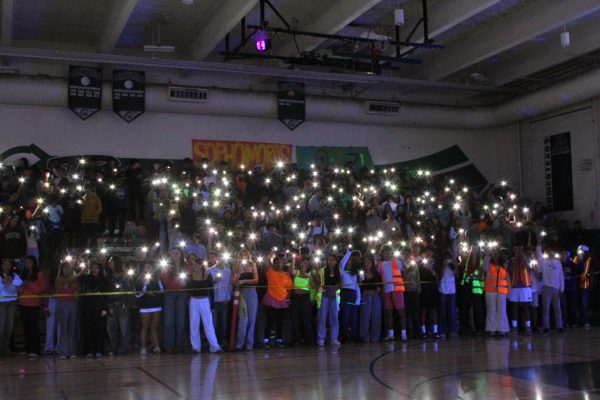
39	287
280	283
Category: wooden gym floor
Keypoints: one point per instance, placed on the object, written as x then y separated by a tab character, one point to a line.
556	366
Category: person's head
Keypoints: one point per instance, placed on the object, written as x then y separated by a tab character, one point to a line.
31	264
177	255
114	264
279	262
6	266
387	252
355	258
305	265
369	261
332	261
243	254
213	258
96	269
14	221
415	250
66	269
192	258
518	250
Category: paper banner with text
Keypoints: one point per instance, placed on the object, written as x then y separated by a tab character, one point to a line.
333	156
242	153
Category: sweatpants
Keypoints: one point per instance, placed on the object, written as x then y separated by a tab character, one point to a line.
301	310
66	319
349	314
174	320
550	295
370	317
30	316
412	310
448	313
51	327
94	331
7	323
328	313
247	320
496	319
200	311
117	328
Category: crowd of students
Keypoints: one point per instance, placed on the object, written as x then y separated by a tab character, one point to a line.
317	256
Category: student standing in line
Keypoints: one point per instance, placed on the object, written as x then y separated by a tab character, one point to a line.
276	299
497	287
350	295
199	285
9	284
35	284
390	269
221	275
67	284
370	307
174	301
447	288
245	276
150	303
94	310
302	305
327	302
553	285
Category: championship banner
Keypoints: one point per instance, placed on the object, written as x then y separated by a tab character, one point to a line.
85	90
129	94
333	156
290	104
242	153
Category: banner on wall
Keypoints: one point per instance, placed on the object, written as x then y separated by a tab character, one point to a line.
241	153
333	156
85	90
291	104
129	95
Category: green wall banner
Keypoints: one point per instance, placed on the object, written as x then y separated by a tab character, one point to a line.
333	156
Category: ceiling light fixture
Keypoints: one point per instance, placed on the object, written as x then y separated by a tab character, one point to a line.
565	38
263	42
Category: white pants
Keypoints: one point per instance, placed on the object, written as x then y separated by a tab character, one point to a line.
200	311
496	319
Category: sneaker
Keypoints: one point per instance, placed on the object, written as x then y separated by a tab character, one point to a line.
586	326
63	357
110	354
143	351
403	337
514	332
220	351
320	343
561	330
32	355
437	335
335	343
389	338
89	355
156	350
98	355
528	332
423	336
73	356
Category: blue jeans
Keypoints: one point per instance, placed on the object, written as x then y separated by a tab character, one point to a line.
328	312
174	320
349	312
221	318
584	304
370	317
448	313
247	320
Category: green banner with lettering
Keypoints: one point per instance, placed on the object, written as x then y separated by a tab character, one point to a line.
333	156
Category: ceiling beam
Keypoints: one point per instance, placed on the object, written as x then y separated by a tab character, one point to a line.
443	16
584	39
337	15
115	23
7	21
234	69
219	24
533	19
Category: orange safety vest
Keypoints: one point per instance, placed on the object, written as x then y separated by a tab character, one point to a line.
495	280
584	279
521	272
396	276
